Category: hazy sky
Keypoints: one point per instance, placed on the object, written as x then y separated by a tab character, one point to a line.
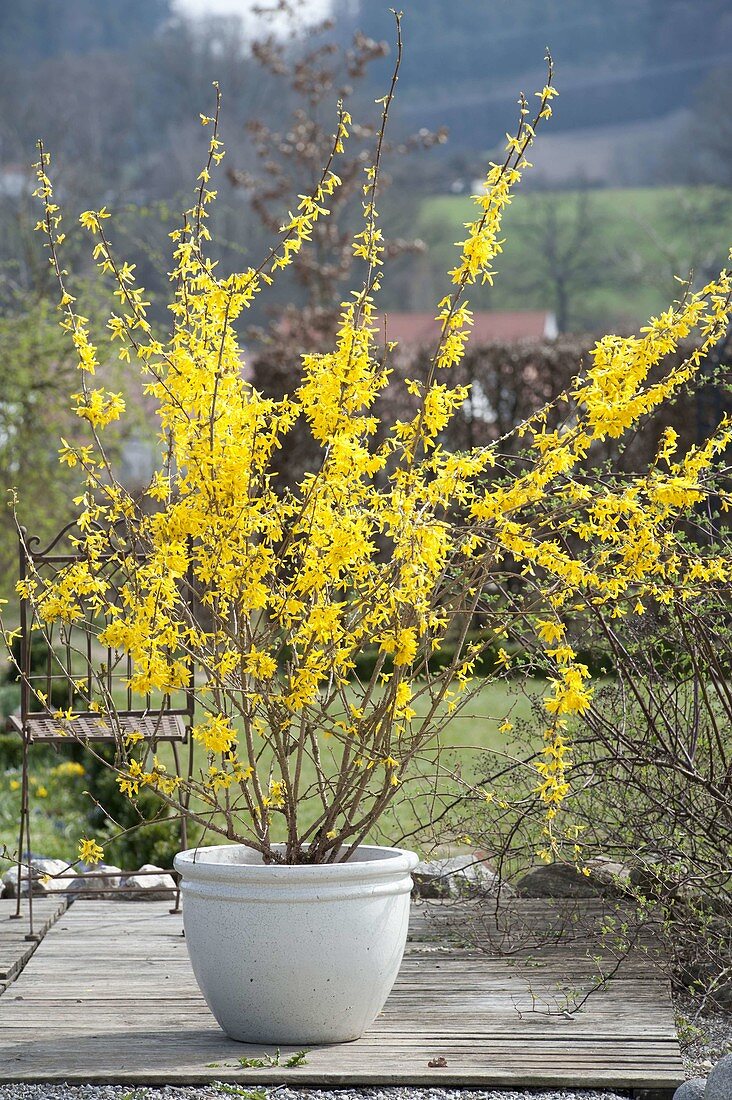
313	8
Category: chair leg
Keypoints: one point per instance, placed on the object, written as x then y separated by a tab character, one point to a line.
26	786
25	831
21	832
183	829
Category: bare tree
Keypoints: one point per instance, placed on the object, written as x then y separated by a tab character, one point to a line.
564	230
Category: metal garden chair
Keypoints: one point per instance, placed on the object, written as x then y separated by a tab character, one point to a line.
60	666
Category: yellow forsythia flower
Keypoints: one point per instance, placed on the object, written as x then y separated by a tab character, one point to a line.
90	851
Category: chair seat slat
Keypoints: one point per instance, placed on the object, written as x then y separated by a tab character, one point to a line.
46	728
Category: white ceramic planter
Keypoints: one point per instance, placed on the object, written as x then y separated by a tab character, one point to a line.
295	954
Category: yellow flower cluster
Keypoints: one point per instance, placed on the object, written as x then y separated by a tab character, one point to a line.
90	851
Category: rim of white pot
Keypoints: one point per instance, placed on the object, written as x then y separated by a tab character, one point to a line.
223	863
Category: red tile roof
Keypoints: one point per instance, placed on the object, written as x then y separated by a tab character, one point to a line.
489	326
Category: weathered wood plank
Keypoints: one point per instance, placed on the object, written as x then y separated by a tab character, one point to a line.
111	978
15	949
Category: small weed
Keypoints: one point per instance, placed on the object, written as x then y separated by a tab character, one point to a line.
688	1032
298	1059
234	1090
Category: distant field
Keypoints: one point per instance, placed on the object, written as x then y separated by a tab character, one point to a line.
633	239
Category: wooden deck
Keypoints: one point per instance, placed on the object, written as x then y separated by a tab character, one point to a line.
15	949
109	996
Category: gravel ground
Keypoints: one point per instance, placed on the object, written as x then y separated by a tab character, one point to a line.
704	1038
212	1092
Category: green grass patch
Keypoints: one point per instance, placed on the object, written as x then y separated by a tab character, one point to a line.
633	241
60	806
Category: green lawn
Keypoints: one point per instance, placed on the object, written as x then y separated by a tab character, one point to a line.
58	800
633	241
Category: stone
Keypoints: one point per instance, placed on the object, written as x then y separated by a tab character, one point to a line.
719	1081
557	880
147	887
609	875
457	877
655	880
40	868
691	1090
101	888
562	880
703	973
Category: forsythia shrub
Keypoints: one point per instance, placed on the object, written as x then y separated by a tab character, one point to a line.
270	595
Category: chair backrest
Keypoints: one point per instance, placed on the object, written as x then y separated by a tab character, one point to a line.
67	676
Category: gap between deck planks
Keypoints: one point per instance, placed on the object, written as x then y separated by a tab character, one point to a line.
110	996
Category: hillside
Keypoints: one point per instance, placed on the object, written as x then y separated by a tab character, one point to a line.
617	64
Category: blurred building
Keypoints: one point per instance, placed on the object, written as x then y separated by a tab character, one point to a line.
415	331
